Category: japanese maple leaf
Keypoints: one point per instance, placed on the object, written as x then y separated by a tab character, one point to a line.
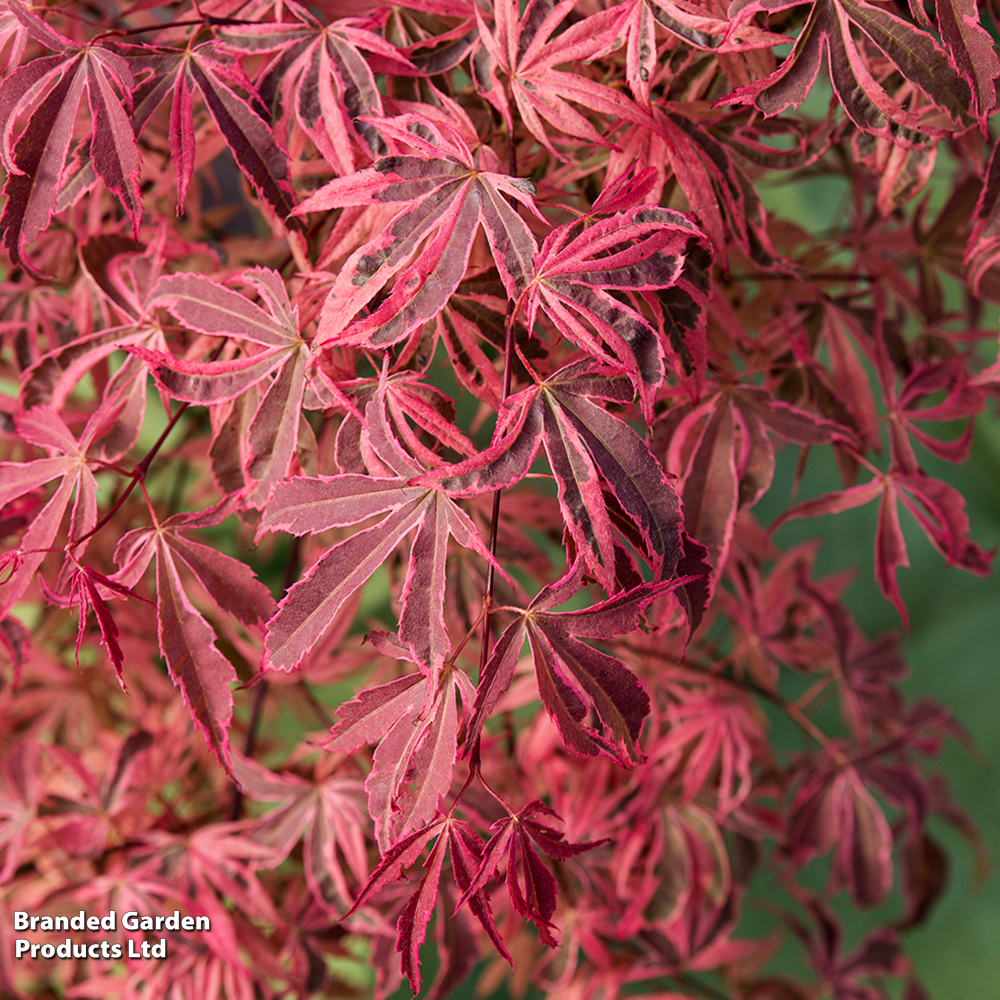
414	720
574	677
972	52
43	427
878	954
214	862
938	508
867	670
85	591
213	72
584	444
414	408
723	455
50	89
770	622
715	731
446	192
581	278
125	277
532	888
521	47
697	24
304	505
83	823
326	813
319	72
448	835
963	400
20	795
187	641
284	368
828	34
723	198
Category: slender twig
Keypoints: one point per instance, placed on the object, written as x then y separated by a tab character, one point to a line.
508	359
508	369
139	472
249	745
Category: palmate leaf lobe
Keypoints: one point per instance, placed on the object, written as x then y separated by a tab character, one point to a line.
574	677
52	88
827	35
304	505
187	640
446	193
581	438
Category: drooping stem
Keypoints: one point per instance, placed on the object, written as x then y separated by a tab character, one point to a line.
508	367
484	655
137	474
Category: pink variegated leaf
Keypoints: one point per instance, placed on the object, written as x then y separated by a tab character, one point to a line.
721	735
963	400
972	52
572	675
311	604
525	48
420	747
328	814
938	508
836	810
303	506
14	31
710	485
208	382
196	666
53	89
44	427
640	250
213	72
319	72
445	194
828	35
723	198
580	435
208	307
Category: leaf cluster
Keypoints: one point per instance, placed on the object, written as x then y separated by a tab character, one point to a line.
478	304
